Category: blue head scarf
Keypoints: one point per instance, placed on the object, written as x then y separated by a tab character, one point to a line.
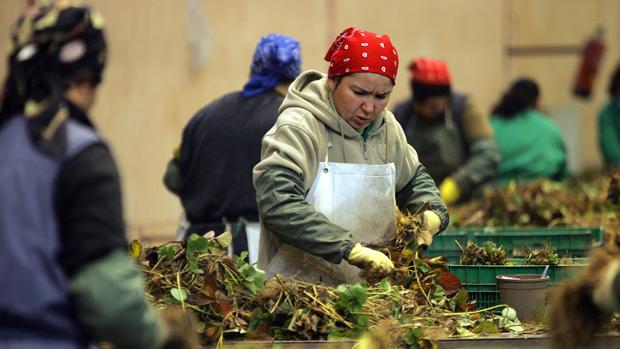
276	57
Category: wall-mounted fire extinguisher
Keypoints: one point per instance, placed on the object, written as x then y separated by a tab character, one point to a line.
591	57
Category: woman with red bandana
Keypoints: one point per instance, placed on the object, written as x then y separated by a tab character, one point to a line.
335	166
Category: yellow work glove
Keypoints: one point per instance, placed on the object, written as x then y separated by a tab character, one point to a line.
430	227
366	341
450	191
367	258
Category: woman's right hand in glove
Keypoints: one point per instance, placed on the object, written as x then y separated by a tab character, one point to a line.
366	258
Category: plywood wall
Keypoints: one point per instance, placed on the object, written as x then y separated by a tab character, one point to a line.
152	87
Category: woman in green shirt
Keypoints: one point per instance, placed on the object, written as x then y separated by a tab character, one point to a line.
531	145
609	123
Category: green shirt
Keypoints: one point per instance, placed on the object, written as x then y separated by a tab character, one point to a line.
609	133
531	146
366	130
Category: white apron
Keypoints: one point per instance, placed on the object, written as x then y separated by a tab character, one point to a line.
252	231
357	197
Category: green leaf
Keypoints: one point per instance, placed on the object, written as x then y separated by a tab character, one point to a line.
285	308
362	320
396	313
167	252
486	327
509	313
257	318
192	263
460	300
253	279
337	334
385	286
425	268
351	298
464	321
282	334
412	336
197	245
439	296
439	292
412	245
178	294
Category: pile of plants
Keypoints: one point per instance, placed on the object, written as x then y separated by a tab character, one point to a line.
546	256
589	200
491	254
231	300
487	254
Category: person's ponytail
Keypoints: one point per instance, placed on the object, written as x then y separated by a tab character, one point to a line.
522	95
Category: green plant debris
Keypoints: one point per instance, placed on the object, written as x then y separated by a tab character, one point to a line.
487	254
232	301
547	256
585	201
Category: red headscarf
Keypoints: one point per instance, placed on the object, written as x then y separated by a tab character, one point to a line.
356	50
429	71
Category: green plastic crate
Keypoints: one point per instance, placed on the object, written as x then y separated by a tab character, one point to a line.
484	299
444	245
572	242
481	284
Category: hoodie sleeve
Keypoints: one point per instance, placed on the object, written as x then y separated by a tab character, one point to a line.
290	159
291	146
414	186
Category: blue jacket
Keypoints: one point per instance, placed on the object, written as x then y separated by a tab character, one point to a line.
35	304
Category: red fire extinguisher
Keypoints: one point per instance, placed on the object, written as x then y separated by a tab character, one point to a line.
590	62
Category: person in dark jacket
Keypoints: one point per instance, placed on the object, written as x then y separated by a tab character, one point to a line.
212	173
67	278
530	144
453	138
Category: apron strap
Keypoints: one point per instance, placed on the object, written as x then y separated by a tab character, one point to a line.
387	132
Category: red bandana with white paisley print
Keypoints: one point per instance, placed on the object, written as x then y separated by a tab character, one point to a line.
360	51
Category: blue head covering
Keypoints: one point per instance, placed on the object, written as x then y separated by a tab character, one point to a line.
276	57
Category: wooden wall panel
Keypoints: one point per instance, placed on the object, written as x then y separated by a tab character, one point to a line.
466	34
565	22
151	88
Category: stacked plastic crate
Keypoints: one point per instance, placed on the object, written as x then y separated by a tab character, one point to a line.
480	280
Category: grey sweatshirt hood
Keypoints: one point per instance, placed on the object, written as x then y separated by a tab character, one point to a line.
309	91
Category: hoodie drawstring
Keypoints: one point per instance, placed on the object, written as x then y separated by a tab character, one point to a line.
344	153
